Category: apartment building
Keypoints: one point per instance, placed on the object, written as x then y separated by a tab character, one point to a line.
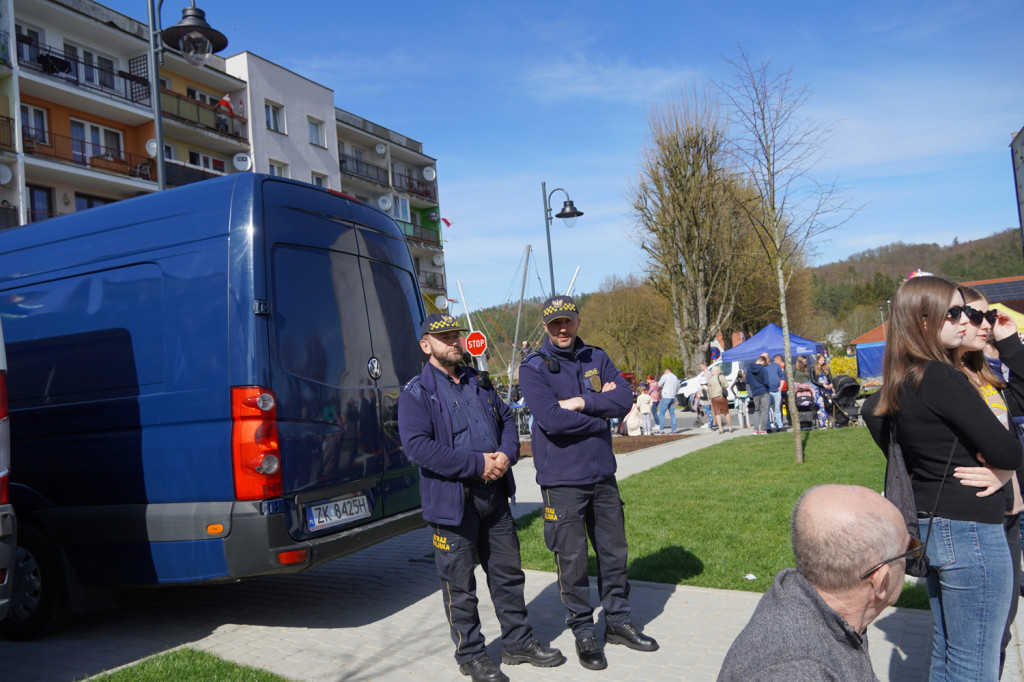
76	115
302	135
77	127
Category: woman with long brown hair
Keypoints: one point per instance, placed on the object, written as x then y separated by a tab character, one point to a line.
941	422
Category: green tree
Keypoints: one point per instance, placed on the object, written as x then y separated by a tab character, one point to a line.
629	320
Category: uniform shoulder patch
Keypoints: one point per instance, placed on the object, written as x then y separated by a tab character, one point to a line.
412	382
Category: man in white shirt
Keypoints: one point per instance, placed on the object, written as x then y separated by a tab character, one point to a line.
669	385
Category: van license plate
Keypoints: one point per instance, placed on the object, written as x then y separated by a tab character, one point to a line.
336	512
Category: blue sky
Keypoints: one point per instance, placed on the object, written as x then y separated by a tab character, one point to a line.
924	97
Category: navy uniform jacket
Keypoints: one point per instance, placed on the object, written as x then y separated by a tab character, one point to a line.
425	426
569	447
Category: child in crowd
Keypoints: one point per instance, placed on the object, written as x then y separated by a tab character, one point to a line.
644	402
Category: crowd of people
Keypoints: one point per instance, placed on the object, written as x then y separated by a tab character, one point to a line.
952	399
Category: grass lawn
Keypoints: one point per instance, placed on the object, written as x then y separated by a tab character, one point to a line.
712	517
189	665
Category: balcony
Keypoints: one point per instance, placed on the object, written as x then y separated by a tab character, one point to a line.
179	174
7	134
8	217
207	116
39	142
420	233
432	280
350	165
414	186
55	63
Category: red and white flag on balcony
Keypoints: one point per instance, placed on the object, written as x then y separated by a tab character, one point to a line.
225	103
447	222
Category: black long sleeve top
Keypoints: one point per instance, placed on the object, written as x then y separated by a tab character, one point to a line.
947	406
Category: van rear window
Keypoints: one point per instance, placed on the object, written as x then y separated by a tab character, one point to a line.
319	315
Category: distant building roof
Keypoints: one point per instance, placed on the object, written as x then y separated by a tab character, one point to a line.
876	334
1001	289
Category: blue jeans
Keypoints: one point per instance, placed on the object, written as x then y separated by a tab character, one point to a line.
969	586
775	411
667	405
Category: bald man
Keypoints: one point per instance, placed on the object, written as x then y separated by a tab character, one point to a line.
851	546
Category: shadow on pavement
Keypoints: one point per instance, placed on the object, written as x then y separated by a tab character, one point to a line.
348	593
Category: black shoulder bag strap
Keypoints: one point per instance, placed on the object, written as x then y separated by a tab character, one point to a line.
938	495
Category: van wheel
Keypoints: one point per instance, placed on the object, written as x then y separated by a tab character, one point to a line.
39	598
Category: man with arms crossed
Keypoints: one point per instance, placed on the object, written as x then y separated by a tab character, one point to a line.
572	391
463	437
851	546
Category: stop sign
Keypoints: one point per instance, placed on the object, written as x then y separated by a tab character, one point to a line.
476	343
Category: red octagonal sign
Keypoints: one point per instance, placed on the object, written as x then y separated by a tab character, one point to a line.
476	343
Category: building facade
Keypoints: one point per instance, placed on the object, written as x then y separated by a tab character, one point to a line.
77	126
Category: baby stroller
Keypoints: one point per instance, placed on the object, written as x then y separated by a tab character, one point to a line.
701	417
806	406
845	411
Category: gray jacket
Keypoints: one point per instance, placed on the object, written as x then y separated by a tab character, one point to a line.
794	636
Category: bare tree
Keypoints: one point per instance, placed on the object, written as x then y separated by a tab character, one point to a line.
778	148
687	222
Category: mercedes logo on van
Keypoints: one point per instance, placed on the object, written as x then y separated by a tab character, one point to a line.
374	368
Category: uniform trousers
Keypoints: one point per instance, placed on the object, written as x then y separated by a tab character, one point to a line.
487	529
571	515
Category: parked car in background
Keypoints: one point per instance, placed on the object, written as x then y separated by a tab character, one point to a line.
692	385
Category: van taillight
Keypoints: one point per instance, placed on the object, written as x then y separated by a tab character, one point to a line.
255	453
3	394
4	473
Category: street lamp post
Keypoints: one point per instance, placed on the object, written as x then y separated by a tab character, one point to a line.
568	213
197	42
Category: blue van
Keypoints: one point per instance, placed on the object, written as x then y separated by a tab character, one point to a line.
204	386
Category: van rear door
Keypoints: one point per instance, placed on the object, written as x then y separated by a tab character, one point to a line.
343	312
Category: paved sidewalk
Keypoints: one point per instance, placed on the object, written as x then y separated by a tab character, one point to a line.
376	615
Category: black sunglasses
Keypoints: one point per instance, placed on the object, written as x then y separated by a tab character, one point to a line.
914	549
976	316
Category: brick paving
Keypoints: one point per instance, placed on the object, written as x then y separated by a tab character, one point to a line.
376	615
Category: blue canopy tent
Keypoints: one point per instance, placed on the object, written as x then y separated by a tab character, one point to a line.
869	360
769	340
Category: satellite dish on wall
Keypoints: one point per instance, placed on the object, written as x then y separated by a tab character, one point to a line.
242	162
438	259
151	147
381	149
5	175
441	302
429	174
384	202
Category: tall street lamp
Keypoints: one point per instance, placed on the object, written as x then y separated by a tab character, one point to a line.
568	213
197	42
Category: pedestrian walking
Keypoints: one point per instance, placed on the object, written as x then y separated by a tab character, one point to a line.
645	403
669	385
739	389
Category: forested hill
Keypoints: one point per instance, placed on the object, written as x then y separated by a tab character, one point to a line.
873	275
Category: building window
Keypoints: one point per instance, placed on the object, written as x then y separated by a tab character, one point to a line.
318	179
275	116
84	201
316	132
201	96
28	45
91	67
206	161
400	209
33	123
89	140
40	200
279	169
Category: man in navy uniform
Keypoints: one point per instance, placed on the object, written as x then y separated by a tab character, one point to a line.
463	437
572	391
